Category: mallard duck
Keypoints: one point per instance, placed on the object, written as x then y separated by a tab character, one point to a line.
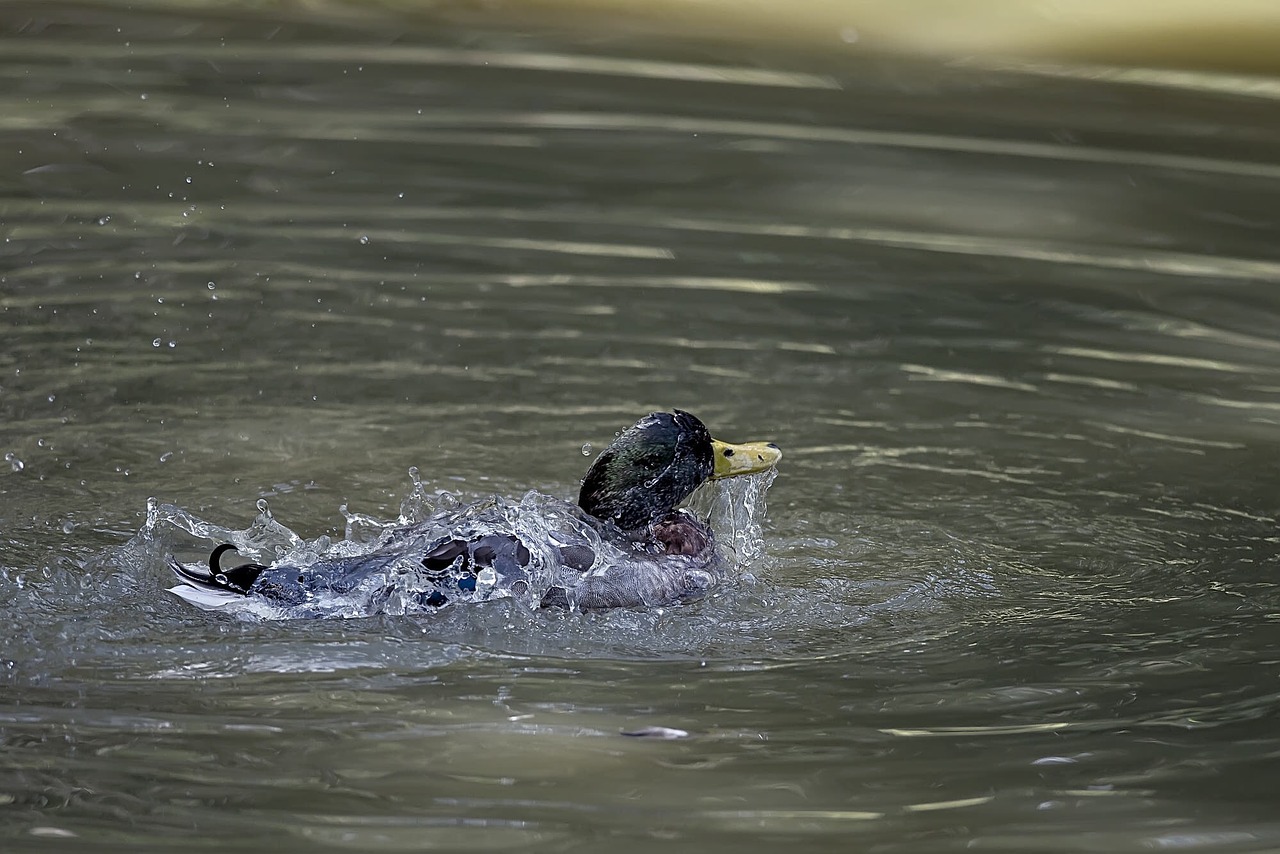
629	546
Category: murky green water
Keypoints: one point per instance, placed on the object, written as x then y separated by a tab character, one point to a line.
1016	334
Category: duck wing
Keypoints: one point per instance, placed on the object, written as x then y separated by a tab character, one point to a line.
449	568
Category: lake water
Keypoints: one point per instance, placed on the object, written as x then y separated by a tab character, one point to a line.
1015	330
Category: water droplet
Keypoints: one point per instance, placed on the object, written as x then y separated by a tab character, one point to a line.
173	344
364	239
212	285
188	179
103	220
586	449
13	461
155	342
166	456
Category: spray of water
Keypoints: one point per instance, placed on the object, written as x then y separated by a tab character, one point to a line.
734	508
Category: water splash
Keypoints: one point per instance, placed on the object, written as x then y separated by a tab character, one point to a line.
389	552
735	508
264	539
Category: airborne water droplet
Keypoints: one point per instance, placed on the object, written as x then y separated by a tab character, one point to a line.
153	514
586	449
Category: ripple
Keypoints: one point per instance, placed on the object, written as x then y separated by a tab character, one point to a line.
1239	85
387	54
1157	359
924	372
885	139
1166	437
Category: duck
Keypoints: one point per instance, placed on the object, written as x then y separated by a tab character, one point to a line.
627	543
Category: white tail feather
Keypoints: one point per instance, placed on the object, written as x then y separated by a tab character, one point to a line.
205	597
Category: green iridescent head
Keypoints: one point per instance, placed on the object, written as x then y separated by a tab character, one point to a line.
657	463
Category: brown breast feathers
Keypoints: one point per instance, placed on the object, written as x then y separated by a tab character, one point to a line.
681	534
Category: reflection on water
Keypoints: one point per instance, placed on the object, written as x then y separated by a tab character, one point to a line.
1015	328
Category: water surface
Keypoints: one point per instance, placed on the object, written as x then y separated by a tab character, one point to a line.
1014	330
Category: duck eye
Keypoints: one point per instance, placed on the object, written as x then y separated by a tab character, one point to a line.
728	452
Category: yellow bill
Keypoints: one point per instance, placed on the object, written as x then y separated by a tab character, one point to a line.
747	458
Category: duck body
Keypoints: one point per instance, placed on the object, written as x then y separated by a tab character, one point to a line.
625	544
676	562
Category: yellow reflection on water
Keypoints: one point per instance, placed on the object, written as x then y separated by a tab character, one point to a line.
1230	34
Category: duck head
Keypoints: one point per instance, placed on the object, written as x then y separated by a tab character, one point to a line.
657	463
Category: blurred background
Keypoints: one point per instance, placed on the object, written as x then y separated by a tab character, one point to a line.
1239	35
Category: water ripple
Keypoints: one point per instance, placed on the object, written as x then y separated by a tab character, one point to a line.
390	54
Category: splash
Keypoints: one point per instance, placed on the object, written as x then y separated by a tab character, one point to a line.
384	556
735	508
264	537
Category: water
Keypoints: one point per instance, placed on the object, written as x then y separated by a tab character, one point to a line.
1014	330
